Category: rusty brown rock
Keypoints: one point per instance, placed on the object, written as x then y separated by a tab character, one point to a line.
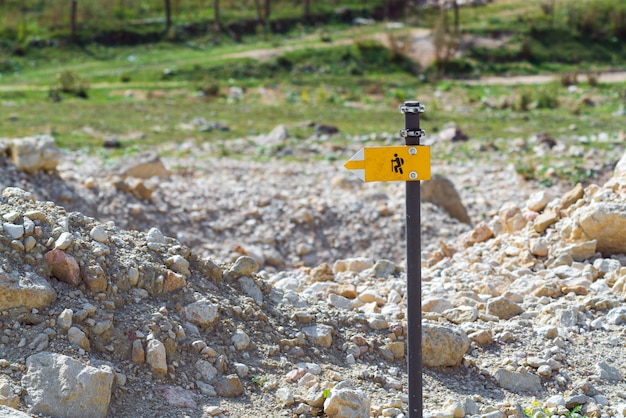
572	196
543	221
173	281
64	267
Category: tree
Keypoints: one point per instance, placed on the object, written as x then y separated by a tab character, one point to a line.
259	15
307	9
217	25
267	9
168	15
455	7
73	20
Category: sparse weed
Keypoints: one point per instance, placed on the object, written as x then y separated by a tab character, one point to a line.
70	82
548	97
259	380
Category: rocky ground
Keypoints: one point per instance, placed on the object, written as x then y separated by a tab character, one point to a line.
199	286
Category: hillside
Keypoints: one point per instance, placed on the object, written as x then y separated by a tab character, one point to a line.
529	302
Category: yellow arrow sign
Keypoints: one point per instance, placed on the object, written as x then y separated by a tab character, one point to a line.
403	163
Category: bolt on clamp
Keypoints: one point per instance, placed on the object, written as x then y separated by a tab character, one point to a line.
412	107
414	133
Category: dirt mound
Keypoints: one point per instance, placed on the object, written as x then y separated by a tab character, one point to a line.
251	289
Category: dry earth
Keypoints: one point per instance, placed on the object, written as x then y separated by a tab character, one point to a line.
277	285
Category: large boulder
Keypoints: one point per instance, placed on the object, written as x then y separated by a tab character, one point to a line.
440	191
443	346
34	153
8	412
604	222
60	386
143	166
25	290
345	401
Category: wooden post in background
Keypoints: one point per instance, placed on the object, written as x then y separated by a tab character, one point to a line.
168	15
73	20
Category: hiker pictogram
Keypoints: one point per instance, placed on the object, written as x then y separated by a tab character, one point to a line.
396	164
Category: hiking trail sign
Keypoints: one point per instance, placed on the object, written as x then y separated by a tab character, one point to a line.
402	163
409	163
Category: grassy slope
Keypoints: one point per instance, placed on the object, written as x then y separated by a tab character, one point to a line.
357	89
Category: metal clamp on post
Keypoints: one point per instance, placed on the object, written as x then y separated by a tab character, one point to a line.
412	107
415	133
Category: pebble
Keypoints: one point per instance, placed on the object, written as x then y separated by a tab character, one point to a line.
524	292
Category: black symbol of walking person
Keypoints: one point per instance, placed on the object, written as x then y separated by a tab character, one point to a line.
396	164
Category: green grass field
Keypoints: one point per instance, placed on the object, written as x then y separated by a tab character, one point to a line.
148	94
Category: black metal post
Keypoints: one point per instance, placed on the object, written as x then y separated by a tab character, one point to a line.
412	134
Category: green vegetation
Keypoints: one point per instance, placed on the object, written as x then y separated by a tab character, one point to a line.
536	411
353	77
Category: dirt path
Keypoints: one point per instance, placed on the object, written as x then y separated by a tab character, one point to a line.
420	50
607	77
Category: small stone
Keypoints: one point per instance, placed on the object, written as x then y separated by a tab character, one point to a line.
138	355
371	295
503	308
322	273
240	340
64	267
243	266
539	247
461	314
78	338
377	321
202	312
206	370
517	382
15	231
572	196
443	346
155	236
321	335
156	357
284	396
543	221
454	408
64	241
438	305
64	320
229	386
98	233
397	349
340	302
173	282
346	402
544	371
481	233
608	373
537	201
178	264
482	337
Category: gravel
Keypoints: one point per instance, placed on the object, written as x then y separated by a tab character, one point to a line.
246	286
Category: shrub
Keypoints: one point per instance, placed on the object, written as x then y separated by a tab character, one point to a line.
548	97
209	87
592	77
524	101
569	78
71	83
598	19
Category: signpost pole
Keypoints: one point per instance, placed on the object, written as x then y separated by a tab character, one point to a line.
411	164
412	134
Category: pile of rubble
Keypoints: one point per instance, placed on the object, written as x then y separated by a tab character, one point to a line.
522	311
